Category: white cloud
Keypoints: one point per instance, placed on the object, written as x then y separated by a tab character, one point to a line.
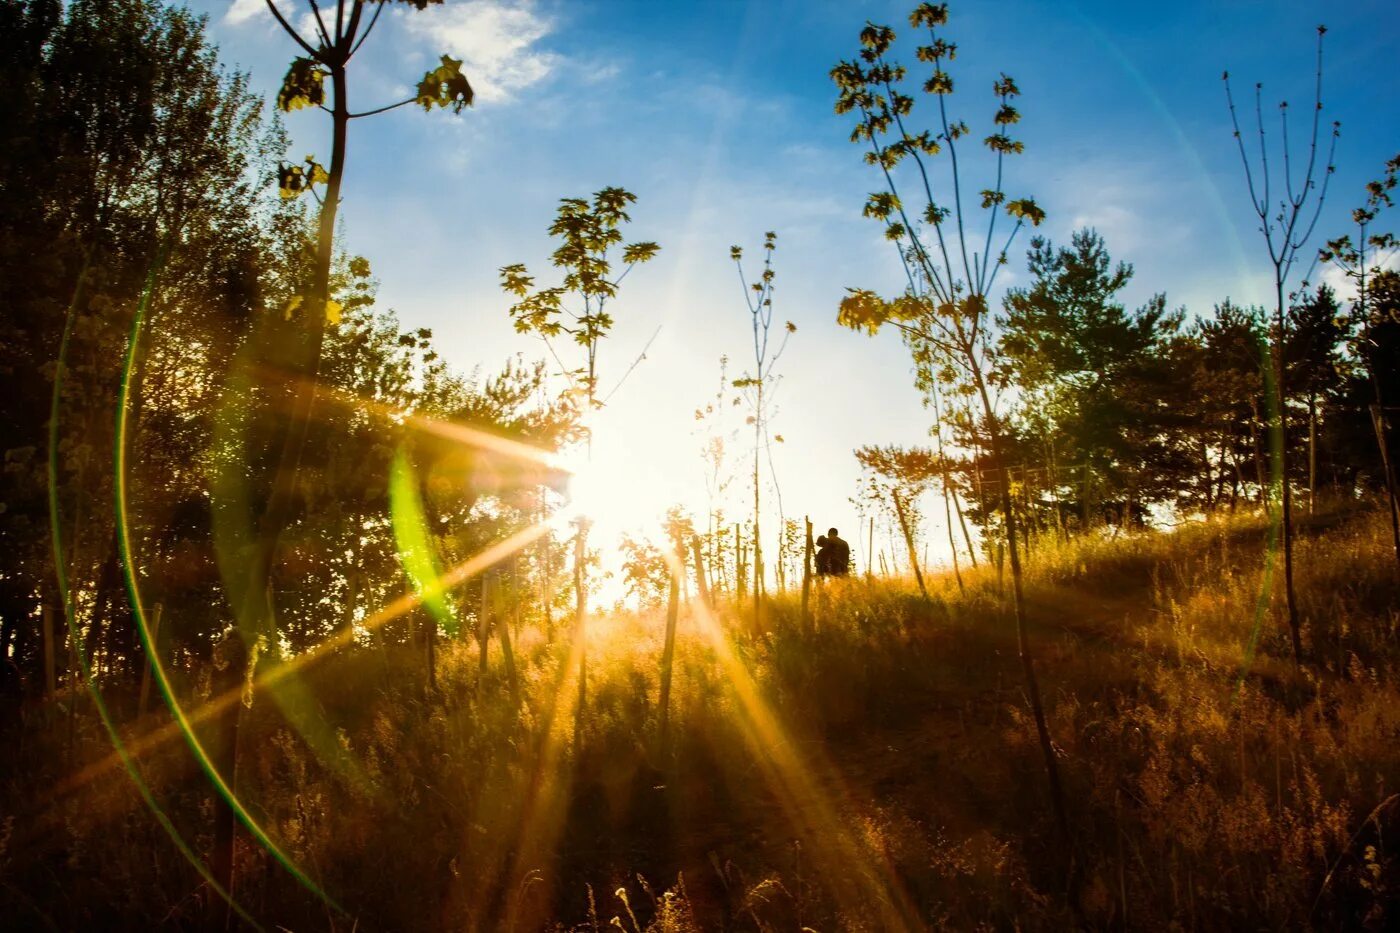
1345	286
494	39
240	11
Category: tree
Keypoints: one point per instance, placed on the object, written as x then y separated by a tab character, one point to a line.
949	277
1312	363
589	233
1096	367
757	387
1285	234
897	478
1351	258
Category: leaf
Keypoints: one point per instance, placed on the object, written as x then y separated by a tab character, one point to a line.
1026	209
862	310
291	308
302	86
333	311
445	86
639	252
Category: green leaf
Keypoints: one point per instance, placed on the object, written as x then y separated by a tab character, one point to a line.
445	86
1026	209
302	87
639	252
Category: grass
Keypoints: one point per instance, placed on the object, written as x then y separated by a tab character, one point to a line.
879	770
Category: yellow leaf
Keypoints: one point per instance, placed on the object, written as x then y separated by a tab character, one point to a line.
333	309
291	308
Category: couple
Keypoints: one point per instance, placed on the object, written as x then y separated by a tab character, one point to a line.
833	555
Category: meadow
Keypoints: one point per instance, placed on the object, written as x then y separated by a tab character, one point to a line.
875	771
313	618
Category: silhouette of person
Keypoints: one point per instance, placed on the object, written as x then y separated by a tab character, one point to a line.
833	555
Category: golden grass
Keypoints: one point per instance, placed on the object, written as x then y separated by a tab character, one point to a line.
1210	786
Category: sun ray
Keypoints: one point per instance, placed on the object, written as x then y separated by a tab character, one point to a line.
793	779
200	714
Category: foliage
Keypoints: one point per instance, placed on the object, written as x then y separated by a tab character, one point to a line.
588	233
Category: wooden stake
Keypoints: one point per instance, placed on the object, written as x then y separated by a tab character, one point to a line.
807	578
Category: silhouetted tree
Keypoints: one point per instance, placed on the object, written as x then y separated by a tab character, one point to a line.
1286	228
950	271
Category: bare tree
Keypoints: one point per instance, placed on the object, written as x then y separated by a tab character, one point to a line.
757	388
1286	229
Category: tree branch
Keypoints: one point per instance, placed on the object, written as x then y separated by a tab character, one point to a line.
292	32
384	109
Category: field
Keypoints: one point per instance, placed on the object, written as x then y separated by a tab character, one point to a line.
876	772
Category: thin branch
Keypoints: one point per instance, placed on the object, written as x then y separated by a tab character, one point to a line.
640	356
1244	157
1287	165
957	185
1004	250
1263	150
384	109
292	32
354	23
321	25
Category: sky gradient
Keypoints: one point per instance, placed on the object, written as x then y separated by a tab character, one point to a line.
718	116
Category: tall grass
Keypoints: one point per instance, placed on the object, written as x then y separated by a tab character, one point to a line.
1212	784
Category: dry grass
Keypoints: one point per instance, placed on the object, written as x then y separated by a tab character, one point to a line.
1211	785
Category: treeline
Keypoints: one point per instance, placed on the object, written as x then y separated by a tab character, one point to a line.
1118	415
140	176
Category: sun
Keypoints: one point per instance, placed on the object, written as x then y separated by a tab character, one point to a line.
589	492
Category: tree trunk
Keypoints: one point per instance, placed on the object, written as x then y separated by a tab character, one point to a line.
1280	456
1047	748
1378	422
668	652
46	620
909	542
508	649
869	550
580	625
151	660
1210	477
1261	475
1312	453
700	580
952	541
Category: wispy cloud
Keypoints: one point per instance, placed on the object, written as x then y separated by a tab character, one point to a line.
495	40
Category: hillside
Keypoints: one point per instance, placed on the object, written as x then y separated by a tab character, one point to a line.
878	771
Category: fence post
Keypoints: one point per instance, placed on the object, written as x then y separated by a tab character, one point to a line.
807	578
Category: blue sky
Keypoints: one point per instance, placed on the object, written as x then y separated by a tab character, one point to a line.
719	117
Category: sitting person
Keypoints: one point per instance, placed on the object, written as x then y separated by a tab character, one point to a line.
833	555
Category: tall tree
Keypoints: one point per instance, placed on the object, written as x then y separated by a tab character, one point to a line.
1095	365
950	271
590	233
1286	227
1371	328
